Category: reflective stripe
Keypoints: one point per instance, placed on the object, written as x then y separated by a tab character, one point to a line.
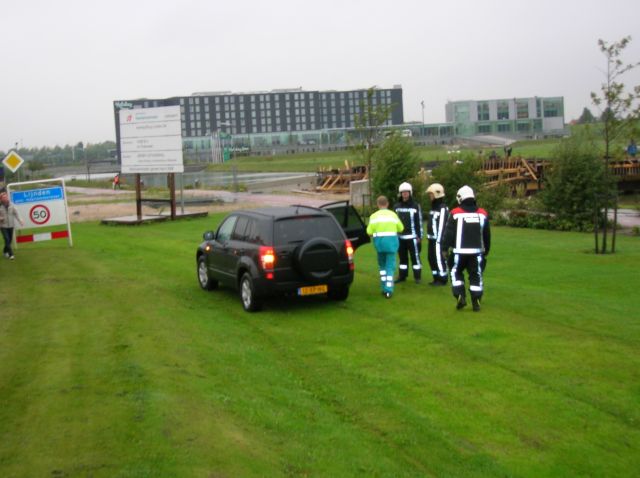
475	288
408	236
417	267
403	266
384	234
467	251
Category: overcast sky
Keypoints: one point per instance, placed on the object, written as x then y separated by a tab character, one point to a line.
64	62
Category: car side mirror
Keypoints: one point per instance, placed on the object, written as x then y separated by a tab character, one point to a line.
209	236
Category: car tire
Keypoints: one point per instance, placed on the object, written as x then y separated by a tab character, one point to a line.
339	293
248	297
317	259
206	282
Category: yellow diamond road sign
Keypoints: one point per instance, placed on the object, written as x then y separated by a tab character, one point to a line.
13	161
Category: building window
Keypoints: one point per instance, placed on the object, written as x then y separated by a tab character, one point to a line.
522	110
552	108
503	110
483	111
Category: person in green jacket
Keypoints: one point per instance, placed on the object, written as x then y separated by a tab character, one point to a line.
384	226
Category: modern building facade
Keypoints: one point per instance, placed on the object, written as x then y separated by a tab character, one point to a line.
271	118
536	116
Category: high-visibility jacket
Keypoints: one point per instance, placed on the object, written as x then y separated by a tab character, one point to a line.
384	226
410	213
437	219
467	230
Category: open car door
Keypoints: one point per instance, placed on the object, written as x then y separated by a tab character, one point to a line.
350	221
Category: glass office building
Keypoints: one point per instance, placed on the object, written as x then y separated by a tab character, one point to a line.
535	116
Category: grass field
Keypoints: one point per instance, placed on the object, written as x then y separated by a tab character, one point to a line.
313	161
113	363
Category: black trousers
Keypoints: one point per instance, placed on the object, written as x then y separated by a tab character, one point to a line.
7	235
409	248
437	261
474	265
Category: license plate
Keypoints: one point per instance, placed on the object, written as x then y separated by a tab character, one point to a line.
312	290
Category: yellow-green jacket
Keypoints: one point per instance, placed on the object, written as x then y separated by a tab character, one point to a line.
384	226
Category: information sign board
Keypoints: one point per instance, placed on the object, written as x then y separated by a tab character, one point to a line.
151	140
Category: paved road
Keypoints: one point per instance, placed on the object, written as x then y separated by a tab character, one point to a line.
627	217
306	199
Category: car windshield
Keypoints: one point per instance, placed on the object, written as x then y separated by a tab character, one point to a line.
302	228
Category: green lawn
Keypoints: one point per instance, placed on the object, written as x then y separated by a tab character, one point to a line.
314	161
113	363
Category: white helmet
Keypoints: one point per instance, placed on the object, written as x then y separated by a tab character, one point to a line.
465	192
436	189
405	187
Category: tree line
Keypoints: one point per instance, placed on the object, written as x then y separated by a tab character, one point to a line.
80	153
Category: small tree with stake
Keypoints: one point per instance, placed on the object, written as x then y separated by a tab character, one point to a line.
368	122
620	111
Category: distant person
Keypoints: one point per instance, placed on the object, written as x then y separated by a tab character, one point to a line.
410	213
384	226
116	181
493	155
435	229
507	151
467	233
8	216
632	149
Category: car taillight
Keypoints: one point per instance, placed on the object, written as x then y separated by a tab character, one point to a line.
348	247
267	260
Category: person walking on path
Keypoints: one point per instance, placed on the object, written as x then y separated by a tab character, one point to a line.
8	216
116	181
410	213
467	233
384	226
435	229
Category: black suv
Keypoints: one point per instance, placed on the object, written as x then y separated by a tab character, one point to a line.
297	250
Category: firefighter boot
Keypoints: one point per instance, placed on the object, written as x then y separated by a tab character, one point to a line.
462	301
475	301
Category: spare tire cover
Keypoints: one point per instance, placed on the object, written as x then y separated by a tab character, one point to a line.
317	259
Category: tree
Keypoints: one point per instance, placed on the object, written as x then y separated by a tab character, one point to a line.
368	122
586	117
620	110
394	162
453	174
575	183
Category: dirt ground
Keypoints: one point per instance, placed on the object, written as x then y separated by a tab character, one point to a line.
91	204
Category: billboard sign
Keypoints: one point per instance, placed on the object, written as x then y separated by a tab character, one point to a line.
151	140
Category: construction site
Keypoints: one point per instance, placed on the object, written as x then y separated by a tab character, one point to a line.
524	176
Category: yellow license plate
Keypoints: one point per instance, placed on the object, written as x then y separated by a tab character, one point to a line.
312	290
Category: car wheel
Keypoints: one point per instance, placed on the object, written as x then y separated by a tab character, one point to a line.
203	275
339	293
317	259
250	302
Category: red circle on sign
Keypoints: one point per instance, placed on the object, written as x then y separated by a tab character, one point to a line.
40	214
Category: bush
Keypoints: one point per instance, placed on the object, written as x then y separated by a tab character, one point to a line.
575	184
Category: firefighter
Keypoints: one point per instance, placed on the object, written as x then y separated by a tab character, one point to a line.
410	213
384	226
435	228
467	233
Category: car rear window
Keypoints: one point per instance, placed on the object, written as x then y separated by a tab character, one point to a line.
301	228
